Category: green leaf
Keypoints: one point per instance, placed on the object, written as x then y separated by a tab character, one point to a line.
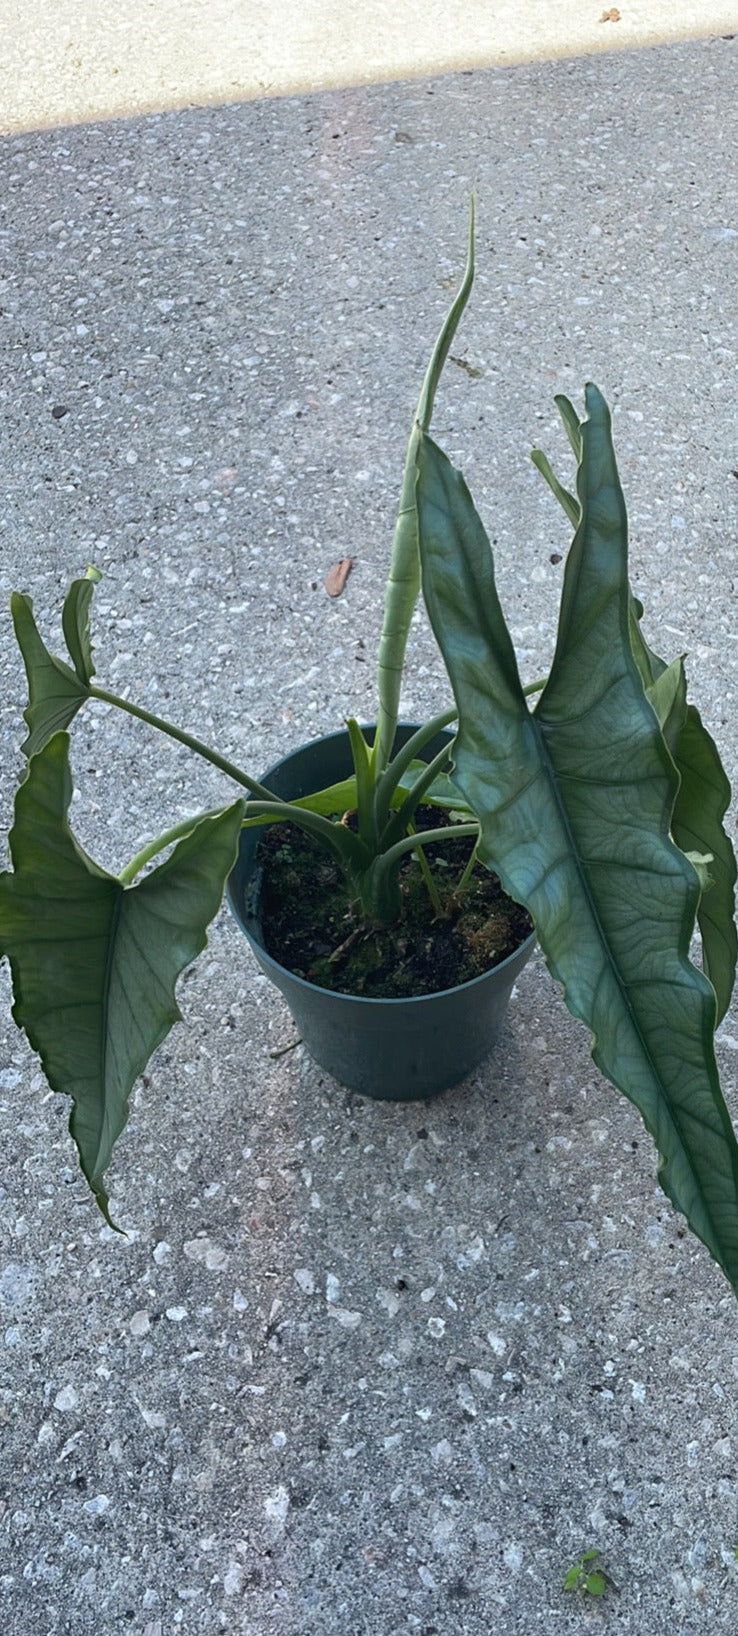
76	624
362	760
94	963
55	692
575	803
572	424
334	798
704	793
567	501
668	695
594	1584
702	801
701	804
341	797
442	792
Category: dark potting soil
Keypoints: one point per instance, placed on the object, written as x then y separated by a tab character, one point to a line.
308	926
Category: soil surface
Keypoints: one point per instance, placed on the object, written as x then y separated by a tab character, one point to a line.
308	925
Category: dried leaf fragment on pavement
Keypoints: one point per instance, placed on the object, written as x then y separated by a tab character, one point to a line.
337	576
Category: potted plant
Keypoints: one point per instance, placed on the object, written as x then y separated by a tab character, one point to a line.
600	810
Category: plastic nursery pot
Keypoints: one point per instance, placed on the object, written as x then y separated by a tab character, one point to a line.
394	1050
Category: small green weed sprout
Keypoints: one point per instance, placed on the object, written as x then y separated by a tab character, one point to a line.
587	1575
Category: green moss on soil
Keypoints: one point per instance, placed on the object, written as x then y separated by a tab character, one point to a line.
308	924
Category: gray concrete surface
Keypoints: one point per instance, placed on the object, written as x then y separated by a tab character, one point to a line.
357	1368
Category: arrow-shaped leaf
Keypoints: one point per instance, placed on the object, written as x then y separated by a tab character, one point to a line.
704	792
94	963
575	803
55	691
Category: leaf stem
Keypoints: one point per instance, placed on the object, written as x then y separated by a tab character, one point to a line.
468	868
150	850
389	780
429	880
195	744
424	837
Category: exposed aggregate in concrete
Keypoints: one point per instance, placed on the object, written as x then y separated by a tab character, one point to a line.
356	1368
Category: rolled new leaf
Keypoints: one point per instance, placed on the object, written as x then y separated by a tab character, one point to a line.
94	963
575	803
403	579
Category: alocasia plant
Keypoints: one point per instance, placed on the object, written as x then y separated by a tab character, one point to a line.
601	809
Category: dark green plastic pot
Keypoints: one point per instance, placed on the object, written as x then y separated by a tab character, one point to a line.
393	1050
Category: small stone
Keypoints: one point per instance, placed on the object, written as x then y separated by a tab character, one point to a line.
305	1279
233	1579
153	1419
97	1505
346	1318
276	1508
16	1284
465	1400
66	1399
436	1327
176	1314
207	1253
140	1323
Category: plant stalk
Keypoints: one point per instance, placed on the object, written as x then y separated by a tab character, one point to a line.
181	737
403	583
